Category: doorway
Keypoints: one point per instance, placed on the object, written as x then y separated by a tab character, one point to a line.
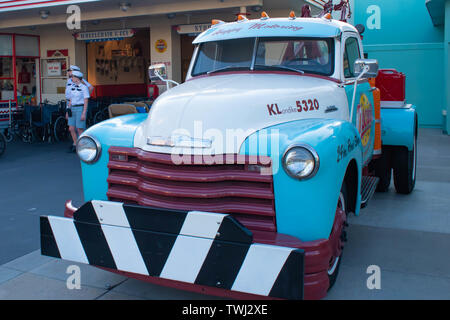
118	67
187	50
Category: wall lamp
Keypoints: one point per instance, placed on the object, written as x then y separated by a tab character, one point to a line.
256	8
44	14
124	6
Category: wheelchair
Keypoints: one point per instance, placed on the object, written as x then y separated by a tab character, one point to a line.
60	127
47	122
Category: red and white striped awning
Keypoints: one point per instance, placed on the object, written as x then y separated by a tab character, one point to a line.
14	5
317	3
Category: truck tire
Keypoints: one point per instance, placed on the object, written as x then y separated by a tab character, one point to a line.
404	163
335	262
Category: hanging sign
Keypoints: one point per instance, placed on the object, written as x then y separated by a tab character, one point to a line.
107	35
193	28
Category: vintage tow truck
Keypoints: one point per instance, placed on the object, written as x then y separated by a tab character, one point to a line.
239	181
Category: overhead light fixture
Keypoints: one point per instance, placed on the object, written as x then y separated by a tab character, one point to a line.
96	22
256	8
171	15
44	14
124	6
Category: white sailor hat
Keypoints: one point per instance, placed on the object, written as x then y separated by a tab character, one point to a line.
77	74
74	68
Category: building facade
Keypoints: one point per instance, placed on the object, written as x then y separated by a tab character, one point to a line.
114	42
412	36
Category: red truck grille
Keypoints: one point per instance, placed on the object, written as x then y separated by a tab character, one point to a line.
236	187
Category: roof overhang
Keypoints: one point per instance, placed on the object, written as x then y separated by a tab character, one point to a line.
15	5
436	8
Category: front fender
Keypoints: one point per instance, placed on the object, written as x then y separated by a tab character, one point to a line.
306	209
119	132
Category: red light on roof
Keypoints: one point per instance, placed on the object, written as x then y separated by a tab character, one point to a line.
215	21
264	15
292	15
242	18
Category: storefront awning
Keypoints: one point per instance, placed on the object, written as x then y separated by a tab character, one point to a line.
436	8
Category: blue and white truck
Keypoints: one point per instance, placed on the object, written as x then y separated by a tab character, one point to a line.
238	182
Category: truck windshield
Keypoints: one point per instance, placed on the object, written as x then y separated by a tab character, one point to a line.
224	55
289	54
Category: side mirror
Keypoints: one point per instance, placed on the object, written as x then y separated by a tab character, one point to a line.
360	28
366	68
157	72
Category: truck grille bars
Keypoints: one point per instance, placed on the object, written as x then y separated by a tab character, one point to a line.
236	187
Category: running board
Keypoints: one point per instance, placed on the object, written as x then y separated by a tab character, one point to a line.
368	187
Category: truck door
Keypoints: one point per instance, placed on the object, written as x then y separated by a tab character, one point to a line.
363	111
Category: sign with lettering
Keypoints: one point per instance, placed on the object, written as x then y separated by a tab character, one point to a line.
54	69
193	28
106	35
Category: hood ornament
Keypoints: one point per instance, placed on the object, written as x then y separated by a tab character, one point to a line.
179	141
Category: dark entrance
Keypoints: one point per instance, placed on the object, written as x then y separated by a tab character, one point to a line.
187	49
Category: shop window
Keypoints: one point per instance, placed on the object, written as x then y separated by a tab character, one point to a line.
27	46
19	69
54	75
6	67
26	80
351	54
6	90
6	45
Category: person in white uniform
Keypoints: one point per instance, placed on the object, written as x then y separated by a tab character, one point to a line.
70	81
78	96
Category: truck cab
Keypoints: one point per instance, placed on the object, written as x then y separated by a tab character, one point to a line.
239	181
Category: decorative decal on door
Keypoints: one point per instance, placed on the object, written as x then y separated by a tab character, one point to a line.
364	119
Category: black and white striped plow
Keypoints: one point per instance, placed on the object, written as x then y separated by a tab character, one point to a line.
203	248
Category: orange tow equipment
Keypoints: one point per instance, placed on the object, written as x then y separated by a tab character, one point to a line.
377	107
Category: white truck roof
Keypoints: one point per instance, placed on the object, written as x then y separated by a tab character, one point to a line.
275	27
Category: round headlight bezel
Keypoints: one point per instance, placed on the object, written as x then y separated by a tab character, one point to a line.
308	149
97	146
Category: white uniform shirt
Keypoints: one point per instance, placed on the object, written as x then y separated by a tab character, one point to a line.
70	83
77	93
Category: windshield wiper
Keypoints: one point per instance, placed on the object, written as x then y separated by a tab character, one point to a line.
226	68
280	67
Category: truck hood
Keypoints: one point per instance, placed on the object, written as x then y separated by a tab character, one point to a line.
215	114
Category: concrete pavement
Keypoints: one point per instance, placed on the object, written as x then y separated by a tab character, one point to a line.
408	237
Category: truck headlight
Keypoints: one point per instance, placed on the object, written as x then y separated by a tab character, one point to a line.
301	162
88	149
